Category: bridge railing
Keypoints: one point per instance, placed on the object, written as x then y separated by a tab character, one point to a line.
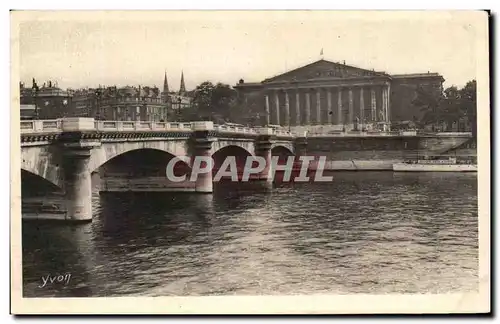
235	129
104	125
58	125
282	132
40	126
387	133
446	134
355	134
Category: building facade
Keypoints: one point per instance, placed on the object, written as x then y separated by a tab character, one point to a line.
130	103
45	102
84	102
125	103
335	94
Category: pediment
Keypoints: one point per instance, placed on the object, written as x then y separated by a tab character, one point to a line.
322	69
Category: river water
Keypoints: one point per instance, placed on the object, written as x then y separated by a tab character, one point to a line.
365	232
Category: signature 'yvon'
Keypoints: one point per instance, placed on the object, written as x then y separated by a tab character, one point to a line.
58	278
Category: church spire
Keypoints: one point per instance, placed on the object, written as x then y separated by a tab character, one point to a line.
182	89
165	84
164	93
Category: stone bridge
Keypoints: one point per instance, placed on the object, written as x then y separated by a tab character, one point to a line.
62	154
66	152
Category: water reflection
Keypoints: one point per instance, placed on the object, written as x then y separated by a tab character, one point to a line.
369	232
56	249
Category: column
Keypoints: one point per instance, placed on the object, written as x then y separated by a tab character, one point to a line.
268	114
351	107
373	105
384	103
329	106
297	108
339	107
287	109
318	107
308	109
77	184
389	104
362	107
277	103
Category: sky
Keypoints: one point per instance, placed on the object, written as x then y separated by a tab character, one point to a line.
132	48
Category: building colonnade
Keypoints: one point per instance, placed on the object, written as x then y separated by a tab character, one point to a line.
345	105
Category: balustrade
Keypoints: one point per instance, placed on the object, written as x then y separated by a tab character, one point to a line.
55	125
41	126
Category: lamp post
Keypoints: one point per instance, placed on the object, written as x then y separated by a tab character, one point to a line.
34	91
179	100
98	93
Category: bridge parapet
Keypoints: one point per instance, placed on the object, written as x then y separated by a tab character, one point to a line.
89	124
235	129
127	126
389	134
41	126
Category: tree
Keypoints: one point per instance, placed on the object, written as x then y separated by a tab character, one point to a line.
449	107
202	99
429	104
468	104
223	101
214	102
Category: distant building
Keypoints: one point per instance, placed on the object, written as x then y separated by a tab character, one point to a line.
129	103
329	93
27	112
48	101
176	101
125	103
85	102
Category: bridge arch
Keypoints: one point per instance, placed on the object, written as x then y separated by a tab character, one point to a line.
282	149
33	184
246	145
108	151
240	154
143	162
42	163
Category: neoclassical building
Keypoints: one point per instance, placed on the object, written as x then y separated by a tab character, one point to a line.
329	93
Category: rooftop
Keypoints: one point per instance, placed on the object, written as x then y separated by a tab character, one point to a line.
416	75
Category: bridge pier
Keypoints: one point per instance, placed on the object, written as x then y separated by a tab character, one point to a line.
300	147
77	174
77	185
263	146
202	141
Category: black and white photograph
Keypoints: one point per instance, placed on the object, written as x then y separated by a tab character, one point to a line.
250	154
